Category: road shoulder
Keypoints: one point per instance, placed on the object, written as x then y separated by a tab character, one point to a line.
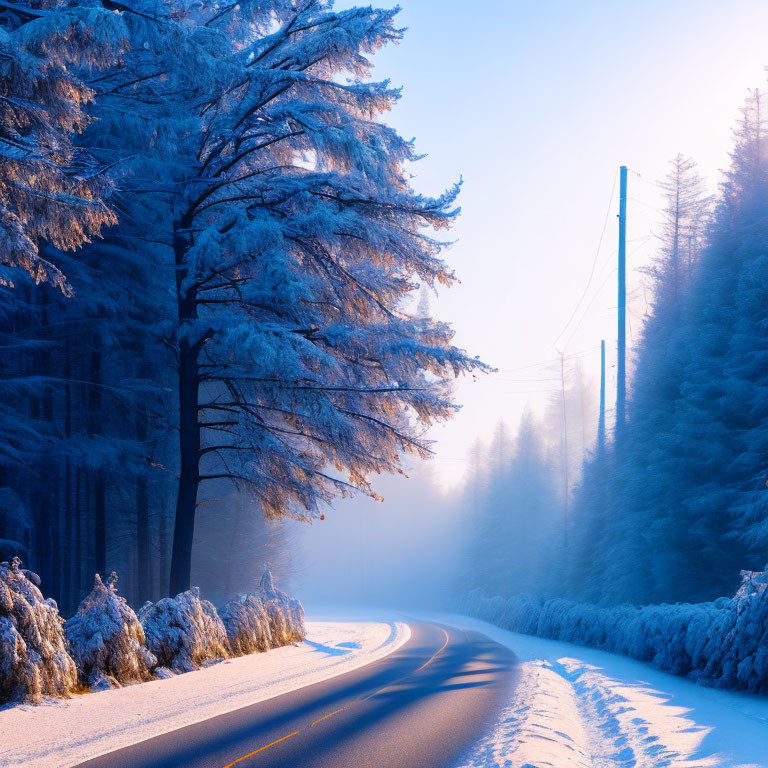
62	733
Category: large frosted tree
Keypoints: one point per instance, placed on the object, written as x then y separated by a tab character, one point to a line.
276	206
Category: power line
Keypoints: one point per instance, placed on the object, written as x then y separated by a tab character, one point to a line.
594	264
643	243
647	205
573	355
529	381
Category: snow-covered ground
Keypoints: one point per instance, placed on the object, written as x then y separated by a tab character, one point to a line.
62	733
577	707
572	707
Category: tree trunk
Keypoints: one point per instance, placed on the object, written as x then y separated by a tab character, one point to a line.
189	478
99	485
67	507
78	552
189	428
143	533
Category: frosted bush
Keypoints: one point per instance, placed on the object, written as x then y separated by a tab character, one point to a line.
33	656
106	639
747	644
184	632
723	643
286	614
247	624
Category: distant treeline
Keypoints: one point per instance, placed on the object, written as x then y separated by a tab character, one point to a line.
673	504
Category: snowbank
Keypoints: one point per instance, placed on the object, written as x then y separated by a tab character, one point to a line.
722	644
60	733
542	726
106	639
575	706
33	656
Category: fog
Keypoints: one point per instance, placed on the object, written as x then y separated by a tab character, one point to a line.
402	552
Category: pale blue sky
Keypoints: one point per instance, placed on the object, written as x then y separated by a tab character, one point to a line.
536	104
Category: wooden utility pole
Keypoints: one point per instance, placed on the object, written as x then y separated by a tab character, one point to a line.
621	367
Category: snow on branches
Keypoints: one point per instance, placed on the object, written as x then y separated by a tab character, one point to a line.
265	619
721	643
34	661
247	624
184	632
106	639
50	191
286	614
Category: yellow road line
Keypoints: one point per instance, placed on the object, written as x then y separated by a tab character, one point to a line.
260	749
426	664
325	717
405	677
336	712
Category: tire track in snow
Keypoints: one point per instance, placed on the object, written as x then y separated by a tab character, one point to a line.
568	714
633	726
542	728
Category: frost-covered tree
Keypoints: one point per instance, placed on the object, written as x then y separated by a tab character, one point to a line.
682	230
685	497
255	298
297	247
516	541
278	208
50	190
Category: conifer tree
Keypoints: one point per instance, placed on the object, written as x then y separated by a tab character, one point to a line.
50	191
277	207
682	230
685	499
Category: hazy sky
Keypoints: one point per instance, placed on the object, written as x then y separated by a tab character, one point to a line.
536	104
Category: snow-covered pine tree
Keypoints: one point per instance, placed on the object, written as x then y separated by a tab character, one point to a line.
277	207
516	542
686	499
683	229
50	191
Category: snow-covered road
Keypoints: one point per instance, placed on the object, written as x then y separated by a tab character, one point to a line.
62	733
571	707
576	707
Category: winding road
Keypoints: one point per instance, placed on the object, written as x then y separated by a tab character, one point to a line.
423	706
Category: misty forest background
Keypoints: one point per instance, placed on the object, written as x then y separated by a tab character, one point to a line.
215	320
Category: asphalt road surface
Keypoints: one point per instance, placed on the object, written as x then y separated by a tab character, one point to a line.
423	706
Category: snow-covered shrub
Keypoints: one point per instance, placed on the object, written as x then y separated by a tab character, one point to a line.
746	645
247	624
33	656
183	632
106	639
286	614
723	643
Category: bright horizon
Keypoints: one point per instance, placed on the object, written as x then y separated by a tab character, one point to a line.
652	85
